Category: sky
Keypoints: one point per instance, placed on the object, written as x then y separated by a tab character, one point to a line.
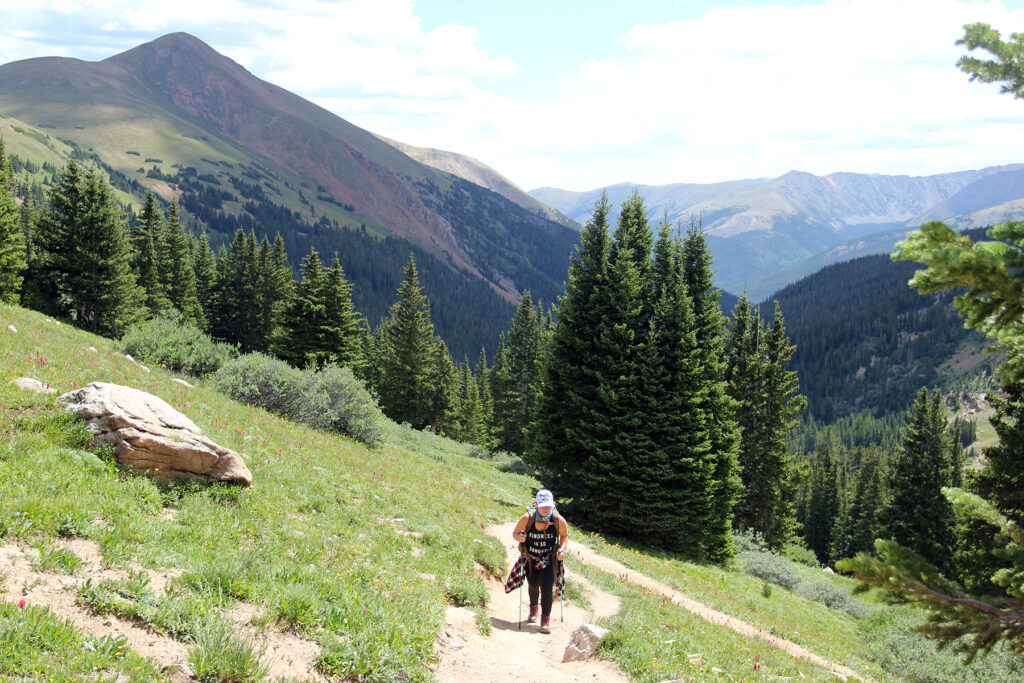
584	94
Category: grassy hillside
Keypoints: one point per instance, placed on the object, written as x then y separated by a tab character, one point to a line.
357	552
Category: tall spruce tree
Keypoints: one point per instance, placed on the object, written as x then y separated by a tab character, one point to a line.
716	403
867	502
305	334
275	286
572	429
917	515
483	376
204	264
769	403
147	239
85	253
679	508
178	276
13	257
823	501
443	387
343	320
519	378
407	355
235	298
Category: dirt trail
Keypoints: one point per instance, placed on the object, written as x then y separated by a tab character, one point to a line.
511	655
606	564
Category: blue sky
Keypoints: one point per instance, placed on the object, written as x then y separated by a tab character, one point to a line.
581	95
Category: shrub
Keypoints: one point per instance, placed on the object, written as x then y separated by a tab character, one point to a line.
339	402
331	399
834	597
770	567
177	346
892	640
802	555
264	382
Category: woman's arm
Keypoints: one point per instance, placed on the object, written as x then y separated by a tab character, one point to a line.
519	533
563	533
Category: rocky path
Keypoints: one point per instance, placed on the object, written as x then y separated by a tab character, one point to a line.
520	655
511	655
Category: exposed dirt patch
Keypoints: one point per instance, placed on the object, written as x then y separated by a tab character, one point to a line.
286	654
58	592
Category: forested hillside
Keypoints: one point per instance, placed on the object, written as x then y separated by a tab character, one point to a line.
867	341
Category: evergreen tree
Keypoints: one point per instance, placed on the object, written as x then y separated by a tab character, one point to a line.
572	428
306	336
866	502
679	504
443	387
917	515
85	253
716	404
823	503
178	275
275	286
519	378
13	259
343	340
234	298
483	379
204	265
619	468
408	355
768	406
146	240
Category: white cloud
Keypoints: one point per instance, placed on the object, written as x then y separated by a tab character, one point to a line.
862	85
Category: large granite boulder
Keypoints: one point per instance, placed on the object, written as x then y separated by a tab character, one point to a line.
151	436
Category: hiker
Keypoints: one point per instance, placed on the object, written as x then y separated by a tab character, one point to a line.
542	536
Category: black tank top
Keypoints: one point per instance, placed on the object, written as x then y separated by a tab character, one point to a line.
541	543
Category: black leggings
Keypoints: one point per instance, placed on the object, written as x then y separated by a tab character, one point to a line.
540	583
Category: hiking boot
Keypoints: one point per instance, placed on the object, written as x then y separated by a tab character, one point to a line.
545	624
534	611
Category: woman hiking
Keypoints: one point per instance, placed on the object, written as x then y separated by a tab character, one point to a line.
542	534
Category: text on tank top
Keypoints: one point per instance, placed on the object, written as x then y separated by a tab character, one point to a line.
541	543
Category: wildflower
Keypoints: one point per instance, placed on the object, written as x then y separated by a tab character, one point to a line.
22	603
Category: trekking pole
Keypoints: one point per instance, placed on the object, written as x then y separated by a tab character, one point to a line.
520	607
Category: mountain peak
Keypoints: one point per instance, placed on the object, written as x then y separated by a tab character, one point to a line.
174	50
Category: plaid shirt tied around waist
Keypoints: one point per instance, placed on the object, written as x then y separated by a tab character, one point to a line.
517	576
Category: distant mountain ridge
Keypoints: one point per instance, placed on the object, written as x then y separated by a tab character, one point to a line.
177	118
760	230
481	174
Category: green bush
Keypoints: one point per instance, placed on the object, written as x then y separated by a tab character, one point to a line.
802	555
264	382
336	401
331	399
834	597
770	567
892	640
174	345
